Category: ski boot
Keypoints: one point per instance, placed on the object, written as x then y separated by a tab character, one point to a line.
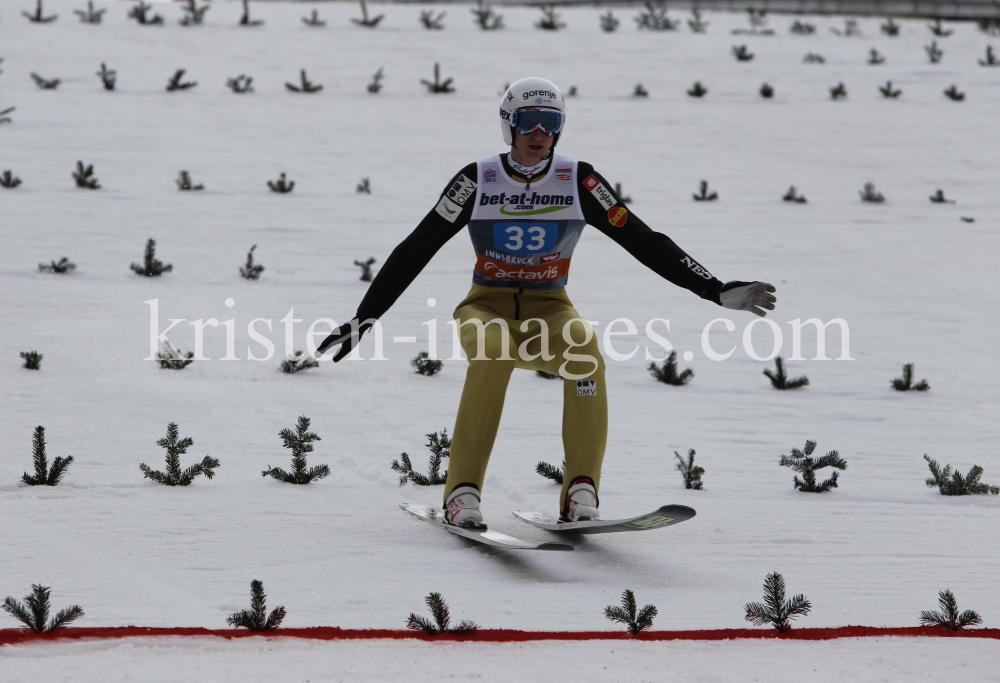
461	509
581	501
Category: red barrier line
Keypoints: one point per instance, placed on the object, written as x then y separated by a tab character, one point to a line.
13	636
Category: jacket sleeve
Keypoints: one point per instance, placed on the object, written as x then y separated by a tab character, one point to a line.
604	210
451	213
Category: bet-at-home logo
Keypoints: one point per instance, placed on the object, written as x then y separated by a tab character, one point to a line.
525	204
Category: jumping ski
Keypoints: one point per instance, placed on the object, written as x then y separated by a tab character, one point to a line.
665	516
434	515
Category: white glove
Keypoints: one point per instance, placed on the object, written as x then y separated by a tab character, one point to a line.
748	296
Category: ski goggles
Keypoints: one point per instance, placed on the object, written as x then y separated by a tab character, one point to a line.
526	121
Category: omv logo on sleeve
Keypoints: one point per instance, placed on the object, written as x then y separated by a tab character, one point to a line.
525	238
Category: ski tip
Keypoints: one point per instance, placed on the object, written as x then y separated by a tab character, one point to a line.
555	546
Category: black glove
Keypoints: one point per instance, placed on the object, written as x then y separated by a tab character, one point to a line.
347	335
748	296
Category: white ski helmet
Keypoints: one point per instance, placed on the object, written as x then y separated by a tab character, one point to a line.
535	94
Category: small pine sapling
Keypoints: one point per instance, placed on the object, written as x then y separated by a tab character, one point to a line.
45	83
298	362
803	463
365	266
991	59
934	53
801	28
572	91
39	17
766	91
905	383
35	610
3	114
703	194
440	448
151	266
890	28
639	91
793	196
990	27
282	185
949	616
888	92
107	77
90	15
655	18
8	179
813	58
697	90
550	20
486	18
376	83
442	619
241	84
696	23
870	194
175	448
875	58
758	21
954	484
172	359
779	380
84	177
438	86
546	375
742	54
838	92
954	94
939	198
636	621
364	187
424	365
667	373
689	471
851	29
45	475
63	265
621	195
256	618
556	474
139	13
32	360
314	20
430	22
193	14
306	87
250	270
609	22
938	30
300	443
364	20
245	20
184	182
776	610
175	82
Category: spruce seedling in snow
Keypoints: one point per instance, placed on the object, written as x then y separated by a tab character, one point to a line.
376	83
655	18
245	20
90	16
550	20
621	195
990	27
804	464
890	28
45	475
256	618
193	14
138	12
440	447
695	23
991	59
314	20
689	471
954	484
45	83
442	619
6	119
888	92
172	359
32	360
871	195
151	266
636	621
954	94
838	92
175	82
850	29
668	372
298	362
184	182
241	84
430	22
776	610
366	267
801	28
697	90
7	178
282	185
438	86
250	271
793	196
742	54
779	380
874	58
35	610
939	198
813	58
546	375
424	365
175	448
704	195
639	91
949	616
486	18
365	21
39	17
758	21
934	53
300	443
609	22
306	87
107	77
62	266
766	91
905	383
556	474
364	187
84	177
938	30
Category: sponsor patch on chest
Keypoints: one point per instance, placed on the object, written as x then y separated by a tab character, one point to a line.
461	190
489	175
564	174
598	190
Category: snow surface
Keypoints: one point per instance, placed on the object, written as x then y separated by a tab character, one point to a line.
914	283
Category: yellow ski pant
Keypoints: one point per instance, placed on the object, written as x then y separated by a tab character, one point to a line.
502	328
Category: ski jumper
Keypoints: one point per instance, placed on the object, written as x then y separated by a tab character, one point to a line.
524	232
